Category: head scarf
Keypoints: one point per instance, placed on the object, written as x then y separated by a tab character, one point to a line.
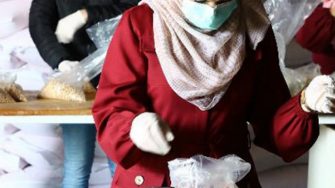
199	66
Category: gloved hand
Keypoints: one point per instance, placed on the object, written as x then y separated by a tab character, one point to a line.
69	25
66	65
149	133
319	95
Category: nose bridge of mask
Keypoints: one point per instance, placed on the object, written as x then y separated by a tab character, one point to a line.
224	6
205	10
202	9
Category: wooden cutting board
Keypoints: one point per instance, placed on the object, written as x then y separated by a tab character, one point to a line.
36	106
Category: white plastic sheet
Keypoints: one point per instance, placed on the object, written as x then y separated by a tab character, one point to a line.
286	17
101	32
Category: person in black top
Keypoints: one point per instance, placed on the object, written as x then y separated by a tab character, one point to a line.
57	27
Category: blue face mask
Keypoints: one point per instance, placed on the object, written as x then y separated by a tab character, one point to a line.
206	17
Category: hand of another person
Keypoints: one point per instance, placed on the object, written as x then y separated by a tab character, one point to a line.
69	25
66	65
149	133
319	95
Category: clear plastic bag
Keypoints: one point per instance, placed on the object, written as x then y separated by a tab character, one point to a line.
6	79
286	17
9	90
65	86
298	78
204	172
72	85
101	32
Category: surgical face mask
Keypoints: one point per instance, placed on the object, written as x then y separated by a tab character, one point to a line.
206	17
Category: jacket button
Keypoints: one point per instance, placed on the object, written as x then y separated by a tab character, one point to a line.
139	180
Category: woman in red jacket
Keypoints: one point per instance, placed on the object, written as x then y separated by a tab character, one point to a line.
184	77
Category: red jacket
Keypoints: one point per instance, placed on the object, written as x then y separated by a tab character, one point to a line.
132	82
316	35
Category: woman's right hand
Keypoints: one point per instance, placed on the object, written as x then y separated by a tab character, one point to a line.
149	133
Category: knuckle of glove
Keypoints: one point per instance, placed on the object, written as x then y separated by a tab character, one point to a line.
140	127
324	107
317	91
66	65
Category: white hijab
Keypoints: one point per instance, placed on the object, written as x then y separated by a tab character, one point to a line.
200	66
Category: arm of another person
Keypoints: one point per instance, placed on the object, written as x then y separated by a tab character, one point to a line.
318	31
121	95
43	19
280	124
98	13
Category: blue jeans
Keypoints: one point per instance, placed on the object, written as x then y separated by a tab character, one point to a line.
79	145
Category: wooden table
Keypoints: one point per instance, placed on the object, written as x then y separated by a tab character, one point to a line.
47	111
58	111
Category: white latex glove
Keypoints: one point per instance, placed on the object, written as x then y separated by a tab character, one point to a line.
319	95
66	65
69	25
149	133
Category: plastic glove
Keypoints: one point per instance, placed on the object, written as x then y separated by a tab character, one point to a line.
149	133
66	65
319	95
69	25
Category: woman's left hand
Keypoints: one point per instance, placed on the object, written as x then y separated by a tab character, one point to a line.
319	95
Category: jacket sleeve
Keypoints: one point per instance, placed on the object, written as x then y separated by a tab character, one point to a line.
43	19
121	95
98	13
318	31
280	124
